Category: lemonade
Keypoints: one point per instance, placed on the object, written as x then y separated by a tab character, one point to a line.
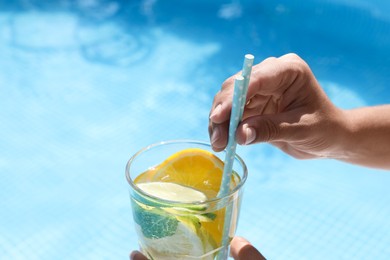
176	211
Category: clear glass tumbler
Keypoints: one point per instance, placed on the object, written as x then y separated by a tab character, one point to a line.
179	228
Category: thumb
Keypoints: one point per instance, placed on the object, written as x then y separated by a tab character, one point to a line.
241	249
136	255
266	128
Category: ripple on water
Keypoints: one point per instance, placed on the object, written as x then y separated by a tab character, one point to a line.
105	42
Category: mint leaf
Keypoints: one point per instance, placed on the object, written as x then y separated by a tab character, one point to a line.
154	222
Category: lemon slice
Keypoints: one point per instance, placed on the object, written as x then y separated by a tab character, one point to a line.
165	234
188	242
172	192
193	167
185	242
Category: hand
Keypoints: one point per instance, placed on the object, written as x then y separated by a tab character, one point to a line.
240	249
286	107
136	255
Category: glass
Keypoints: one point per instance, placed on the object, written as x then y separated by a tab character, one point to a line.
178	229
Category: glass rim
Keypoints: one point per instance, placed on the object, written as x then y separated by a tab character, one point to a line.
182	141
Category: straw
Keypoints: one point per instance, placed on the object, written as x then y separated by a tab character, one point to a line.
239	99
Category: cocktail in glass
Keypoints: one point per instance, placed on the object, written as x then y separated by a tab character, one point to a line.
173	192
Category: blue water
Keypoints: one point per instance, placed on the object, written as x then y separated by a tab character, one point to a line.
85	84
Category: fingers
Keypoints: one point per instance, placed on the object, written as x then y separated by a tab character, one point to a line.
241	249
271	80
136	255
219	119
274	75
271	77
218	135
220	111
267	128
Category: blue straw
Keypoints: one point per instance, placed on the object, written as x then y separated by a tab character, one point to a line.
241	84
239	98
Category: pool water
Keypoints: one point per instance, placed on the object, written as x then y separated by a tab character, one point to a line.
85	84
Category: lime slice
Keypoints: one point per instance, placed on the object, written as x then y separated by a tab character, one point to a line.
181	211
172	191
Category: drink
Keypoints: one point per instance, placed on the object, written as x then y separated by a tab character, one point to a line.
176	211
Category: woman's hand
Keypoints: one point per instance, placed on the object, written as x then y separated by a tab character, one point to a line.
286	107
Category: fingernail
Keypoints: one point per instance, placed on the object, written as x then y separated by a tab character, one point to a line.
250	134
215	136
216	111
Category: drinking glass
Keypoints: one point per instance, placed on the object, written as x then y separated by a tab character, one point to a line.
176	229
